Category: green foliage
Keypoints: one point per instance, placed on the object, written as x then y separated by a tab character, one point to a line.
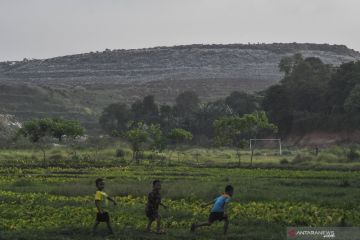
314	96
120	153
277	104
35	130
242	103
231	130
146	111
115	118
207	113
342	84
137	137
178	136
68	128
302	159
287	64
353	155
284	161
352	102
187	102
43	203
158	141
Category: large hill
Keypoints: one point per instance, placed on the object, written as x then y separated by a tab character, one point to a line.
79	86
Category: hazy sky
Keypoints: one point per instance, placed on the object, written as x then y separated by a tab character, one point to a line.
50	28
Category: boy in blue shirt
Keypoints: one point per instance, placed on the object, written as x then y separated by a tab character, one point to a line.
218	210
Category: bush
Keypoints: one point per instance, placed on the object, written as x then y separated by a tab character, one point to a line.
353	155
284	161
286	152
328	157
120	153
149	156
56	157
344	183
298	159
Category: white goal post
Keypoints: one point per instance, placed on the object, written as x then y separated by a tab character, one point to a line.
265	139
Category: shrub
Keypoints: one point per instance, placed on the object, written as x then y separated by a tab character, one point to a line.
120	153
344	183
328	157
298	159
353	155
286	152
284	161
56	157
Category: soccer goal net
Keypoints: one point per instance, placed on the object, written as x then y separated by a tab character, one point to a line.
266	146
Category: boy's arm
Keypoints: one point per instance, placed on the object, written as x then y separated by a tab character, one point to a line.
208	203
112	200
98	206
164	206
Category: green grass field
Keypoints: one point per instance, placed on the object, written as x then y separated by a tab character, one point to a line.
57	201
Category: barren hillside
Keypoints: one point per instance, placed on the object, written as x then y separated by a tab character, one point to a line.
83	84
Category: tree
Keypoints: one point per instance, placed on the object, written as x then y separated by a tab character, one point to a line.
187	103
242	103
206	115
352	102
307	84
157	139
8	128
287	64
68	128
37	130
277	104
137	137
341	85
299	102
168	119
115	118
146	111
179	136
232	131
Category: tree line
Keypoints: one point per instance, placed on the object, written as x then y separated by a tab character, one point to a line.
311	96
225	122
314	96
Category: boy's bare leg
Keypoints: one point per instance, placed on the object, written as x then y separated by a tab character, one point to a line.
226	225
95	226
109	227
158	224
148	227
194	226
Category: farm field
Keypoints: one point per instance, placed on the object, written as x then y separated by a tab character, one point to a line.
331	158
57	202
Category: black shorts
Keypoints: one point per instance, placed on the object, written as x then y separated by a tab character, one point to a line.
102	217
217	216
152	214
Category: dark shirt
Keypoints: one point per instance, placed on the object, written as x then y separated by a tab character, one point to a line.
154	200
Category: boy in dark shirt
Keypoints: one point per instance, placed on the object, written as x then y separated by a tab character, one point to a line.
152	207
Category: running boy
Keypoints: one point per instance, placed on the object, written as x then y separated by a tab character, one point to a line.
218	210
101	203
152	207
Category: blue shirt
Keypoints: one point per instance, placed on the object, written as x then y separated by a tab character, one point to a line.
219	203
